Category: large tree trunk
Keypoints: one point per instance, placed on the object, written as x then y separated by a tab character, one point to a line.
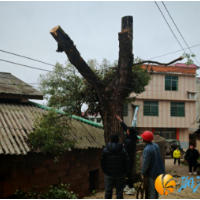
110	123
117	91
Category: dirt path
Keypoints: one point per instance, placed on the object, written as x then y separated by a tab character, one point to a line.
177	172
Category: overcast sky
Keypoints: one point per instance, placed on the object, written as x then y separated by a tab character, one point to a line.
94	27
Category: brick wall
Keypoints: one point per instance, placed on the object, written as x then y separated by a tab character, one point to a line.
37	169
161	68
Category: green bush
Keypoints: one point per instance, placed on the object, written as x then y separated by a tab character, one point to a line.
51	134
53	192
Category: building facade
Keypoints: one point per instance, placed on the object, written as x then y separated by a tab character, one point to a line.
197	114
168	106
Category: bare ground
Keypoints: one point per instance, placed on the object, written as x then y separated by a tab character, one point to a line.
177	172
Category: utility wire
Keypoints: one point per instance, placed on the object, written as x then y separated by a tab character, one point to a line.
169	26
26	57
26	65
173	52
95	70
54	65
178	30
41	69
38	60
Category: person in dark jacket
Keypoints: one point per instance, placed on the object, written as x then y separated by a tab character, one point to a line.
115	164
130	146
192	156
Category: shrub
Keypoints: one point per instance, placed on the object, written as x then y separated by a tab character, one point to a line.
51	134
53	192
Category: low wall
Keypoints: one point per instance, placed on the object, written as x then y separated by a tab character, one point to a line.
37	169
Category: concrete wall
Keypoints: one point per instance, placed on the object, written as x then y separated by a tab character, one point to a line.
164	119
184	137
156	88
37	169
198	110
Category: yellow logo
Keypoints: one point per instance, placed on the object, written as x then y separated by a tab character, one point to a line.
164	184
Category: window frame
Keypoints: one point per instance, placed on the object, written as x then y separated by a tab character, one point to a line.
125	109
178	109
172	79
151	112
99	120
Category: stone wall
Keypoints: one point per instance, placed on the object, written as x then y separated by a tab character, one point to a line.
37	169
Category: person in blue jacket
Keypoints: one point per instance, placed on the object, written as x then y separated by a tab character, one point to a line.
152	165
130	146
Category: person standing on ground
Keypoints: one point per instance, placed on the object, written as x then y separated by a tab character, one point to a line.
115	164
177	155
130	146
192	156
152	165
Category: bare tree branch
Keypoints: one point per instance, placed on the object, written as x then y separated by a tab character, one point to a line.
155	62
67	45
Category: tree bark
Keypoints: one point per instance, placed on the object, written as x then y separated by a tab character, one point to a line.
66	44
110	123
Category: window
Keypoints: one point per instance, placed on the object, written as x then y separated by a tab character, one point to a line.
150	108
171	83
177	109
92	119
98	120
125	109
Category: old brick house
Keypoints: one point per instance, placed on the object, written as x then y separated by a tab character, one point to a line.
21	168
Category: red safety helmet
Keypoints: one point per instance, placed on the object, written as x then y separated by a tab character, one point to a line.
147	135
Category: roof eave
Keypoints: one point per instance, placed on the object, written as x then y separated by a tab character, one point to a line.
20	96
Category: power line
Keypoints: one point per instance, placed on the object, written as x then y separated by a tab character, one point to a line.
169	26
27	57
45	70
95	69
178	30
33	59
42	69
173	52
26	65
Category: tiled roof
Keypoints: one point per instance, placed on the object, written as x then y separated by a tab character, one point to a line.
17	121
10	85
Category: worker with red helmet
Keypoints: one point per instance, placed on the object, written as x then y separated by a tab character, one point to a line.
152	165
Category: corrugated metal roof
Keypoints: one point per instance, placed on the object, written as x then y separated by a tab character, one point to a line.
10	84
184	65
17	121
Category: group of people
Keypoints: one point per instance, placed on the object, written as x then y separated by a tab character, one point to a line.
191	156
117	161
